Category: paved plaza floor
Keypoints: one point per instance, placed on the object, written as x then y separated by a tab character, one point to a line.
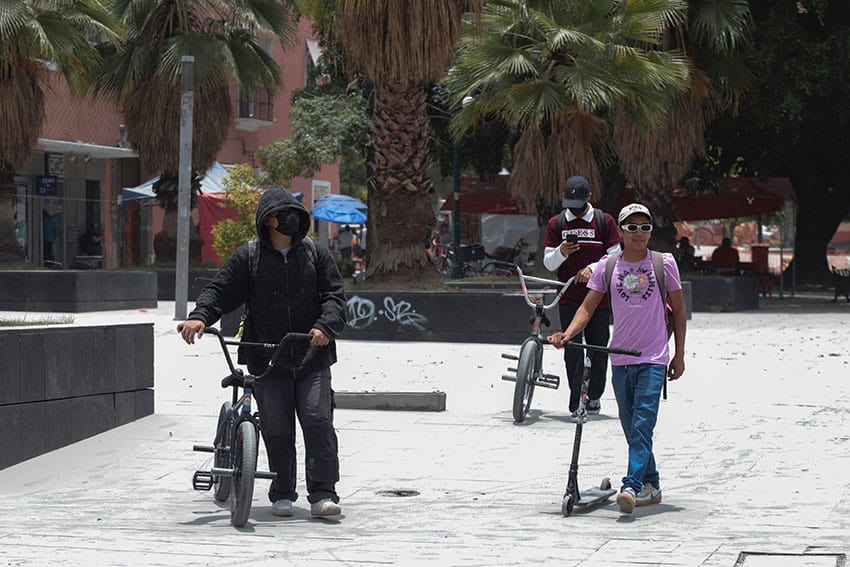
753	446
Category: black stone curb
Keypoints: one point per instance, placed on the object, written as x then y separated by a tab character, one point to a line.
397	401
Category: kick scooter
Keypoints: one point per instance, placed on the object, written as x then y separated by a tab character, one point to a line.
573	498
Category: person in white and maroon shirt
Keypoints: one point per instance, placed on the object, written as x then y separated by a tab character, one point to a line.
576	238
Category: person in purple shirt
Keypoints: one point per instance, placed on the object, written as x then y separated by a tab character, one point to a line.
639	324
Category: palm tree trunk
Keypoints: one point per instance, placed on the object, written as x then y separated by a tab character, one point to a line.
401	211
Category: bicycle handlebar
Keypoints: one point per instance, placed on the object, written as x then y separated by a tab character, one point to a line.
276	346
629	352
558	284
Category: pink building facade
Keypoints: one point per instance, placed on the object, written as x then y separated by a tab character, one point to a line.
77	172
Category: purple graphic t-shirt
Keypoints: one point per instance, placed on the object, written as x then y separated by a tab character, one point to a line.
637	308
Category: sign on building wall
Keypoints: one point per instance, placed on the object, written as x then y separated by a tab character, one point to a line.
47	185
55	165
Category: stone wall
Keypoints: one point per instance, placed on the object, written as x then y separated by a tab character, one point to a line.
61	384
76	291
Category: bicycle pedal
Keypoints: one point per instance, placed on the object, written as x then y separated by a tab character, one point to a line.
204	448
202	480
543	383
553	378
509	377
510	356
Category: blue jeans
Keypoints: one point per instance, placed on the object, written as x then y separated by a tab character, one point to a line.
637	388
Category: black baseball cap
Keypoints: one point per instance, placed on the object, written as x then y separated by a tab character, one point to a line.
576	192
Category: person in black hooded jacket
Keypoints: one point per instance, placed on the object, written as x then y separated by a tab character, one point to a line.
295	289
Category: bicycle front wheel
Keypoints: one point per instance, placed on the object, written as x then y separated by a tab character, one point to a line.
526	371
245	465
222	460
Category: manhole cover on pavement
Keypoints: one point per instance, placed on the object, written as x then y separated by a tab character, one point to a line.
756	559
399	493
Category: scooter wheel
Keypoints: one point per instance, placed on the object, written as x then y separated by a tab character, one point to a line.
605	484
567	505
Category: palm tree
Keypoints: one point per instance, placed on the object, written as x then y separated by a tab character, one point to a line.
143	76
557	73
401	48
715	37
33	33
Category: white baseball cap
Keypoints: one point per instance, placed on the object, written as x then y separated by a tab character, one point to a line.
632	209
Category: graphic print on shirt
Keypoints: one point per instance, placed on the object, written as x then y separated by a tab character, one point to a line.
636	284
585	233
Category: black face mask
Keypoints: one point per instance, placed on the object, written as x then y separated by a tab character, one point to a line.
287	224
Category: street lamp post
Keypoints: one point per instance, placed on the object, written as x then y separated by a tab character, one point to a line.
456	193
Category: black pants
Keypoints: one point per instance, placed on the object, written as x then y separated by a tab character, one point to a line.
595	333
279	399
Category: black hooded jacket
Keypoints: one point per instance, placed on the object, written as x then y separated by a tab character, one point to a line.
290	293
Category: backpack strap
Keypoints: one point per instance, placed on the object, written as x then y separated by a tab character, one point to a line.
658	268
253	258
311	249
609	270
600	225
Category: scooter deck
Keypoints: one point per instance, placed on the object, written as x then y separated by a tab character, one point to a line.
594	496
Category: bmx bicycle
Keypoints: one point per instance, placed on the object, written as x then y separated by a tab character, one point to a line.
529	369
573	497
237	435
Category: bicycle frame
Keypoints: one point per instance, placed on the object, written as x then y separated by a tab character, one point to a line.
242	404
241	409
529	371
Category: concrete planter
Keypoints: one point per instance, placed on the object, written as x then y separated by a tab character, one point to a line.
474	316
724	294
76	291
61	384
166	283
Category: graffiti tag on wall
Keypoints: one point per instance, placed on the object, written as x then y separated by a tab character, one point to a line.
362	313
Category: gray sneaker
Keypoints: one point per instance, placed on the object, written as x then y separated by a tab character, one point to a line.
326	507
282	508
649	494
594	407
626	500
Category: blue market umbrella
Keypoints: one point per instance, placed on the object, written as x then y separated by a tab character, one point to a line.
340	209
341	200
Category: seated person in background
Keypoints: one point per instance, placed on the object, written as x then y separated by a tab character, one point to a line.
725	258
90	241
684	254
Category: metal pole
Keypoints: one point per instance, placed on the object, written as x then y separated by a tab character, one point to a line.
184	186
457	267
456	194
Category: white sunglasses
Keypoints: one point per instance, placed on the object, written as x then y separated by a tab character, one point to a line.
636	227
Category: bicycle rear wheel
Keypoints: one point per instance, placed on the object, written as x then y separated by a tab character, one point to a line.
526	371
222	460
245	465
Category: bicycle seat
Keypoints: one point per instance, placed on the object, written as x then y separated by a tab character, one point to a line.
233	380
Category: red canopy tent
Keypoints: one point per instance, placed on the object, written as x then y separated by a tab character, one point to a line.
488	194
735	197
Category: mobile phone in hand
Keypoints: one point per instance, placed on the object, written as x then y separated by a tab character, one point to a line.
572	238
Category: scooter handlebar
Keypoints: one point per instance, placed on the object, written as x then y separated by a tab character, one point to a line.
611	350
